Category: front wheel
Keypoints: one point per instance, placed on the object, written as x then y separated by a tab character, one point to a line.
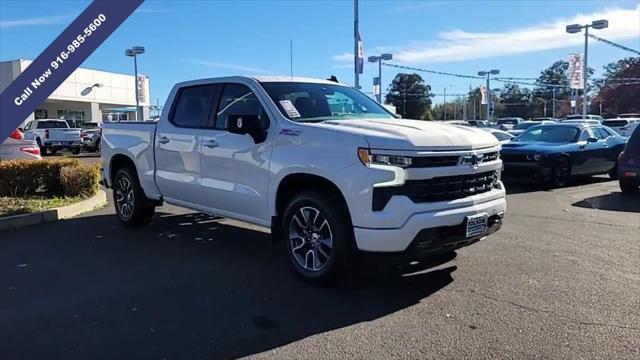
317	235
75	150
560	174
132	206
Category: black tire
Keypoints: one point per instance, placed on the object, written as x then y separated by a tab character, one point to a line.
560	174
53	151
315	240
43	150
613	173
75	150
132	206
628	186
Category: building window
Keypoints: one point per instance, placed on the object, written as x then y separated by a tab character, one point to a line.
73	118
40	114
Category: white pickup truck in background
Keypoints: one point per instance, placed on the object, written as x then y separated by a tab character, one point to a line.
329	170
53	135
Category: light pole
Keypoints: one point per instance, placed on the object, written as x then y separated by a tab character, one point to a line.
379	59
576	28
444	104
134	52
489	104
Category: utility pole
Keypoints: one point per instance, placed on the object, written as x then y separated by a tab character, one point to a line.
356	45
444	104
554	103
291	58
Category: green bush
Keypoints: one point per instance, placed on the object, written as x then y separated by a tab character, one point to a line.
28	177
80	180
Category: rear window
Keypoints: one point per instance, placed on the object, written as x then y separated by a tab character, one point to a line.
508	121
52	124
193	106
615	122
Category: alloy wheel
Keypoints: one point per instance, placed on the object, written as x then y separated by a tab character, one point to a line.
125	199
310	238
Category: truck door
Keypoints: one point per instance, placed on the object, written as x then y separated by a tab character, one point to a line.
177	144
235	167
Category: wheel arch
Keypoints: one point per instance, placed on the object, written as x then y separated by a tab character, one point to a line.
294	183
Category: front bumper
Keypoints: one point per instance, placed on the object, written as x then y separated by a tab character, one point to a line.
533	171
437	226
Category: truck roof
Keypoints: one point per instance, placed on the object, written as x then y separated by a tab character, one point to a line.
261	79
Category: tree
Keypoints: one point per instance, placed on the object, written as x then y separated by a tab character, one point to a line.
516	101
615	94
409	94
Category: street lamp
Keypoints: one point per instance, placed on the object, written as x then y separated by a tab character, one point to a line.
576	28
379	59
134	52
489	104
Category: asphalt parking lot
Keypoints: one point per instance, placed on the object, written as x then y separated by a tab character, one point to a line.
560	280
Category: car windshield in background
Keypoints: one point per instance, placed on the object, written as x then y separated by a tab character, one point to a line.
52	125
615	122
314	102
551	133
508	121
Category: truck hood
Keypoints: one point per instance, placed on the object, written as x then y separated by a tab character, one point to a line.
402	134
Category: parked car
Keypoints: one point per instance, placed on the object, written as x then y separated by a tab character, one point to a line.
623	126
508	123
91	136
520	128
502	136
543	119
629	115
582	121
329	170
52	135
629	164
597	118
479	123
16	147
554	153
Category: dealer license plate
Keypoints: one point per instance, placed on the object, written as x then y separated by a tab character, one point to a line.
476	225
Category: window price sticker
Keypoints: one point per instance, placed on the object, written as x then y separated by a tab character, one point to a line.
289	108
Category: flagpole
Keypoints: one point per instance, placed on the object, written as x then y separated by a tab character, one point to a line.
355	44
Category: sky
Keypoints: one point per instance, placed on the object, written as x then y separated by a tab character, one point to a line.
199	39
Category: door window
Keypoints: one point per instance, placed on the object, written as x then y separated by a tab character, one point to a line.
601	133
193	106
237	99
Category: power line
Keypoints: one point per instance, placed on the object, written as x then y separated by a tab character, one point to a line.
613	44
433	71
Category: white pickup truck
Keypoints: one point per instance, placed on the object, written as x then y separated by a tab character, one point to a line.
331	172
53	135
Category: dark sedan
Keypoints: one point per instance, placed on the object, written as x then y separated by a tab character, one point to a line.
629	164
554	153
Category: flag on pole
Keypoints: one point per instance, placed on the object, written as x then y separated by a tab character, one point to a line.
376	86
575	71
483	92
360	54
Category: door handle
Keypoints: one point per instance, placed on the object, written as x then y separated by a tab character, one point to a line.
163	140
211	144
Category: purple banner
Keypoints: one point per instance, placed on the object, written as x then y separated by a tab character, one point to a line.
65	54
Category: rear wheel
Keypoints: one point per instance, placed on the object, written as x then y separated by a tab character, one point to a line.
53	151
132	206
627	186
75	150
613	173
318	235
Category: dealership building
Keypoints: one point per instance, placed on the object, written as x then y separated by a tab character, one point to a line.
87	95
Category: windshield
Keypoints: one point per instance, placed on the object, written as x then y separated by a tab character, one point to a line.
552	133
313	102
508	121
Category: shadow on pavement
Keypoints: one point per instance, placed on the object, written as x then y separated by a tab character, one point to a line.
185	287
519	187
616	201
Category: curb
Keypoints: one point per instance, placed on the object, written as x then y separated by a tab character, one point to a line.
64	212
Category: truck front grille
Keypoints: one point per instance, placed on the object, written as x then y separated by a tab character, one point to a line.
437	189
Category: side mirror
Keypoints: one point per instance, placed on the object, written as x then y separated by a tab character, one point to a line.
592	140
254	125
20	129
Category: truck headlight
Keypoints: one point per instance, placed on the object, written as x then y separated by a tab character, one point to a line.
377	159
